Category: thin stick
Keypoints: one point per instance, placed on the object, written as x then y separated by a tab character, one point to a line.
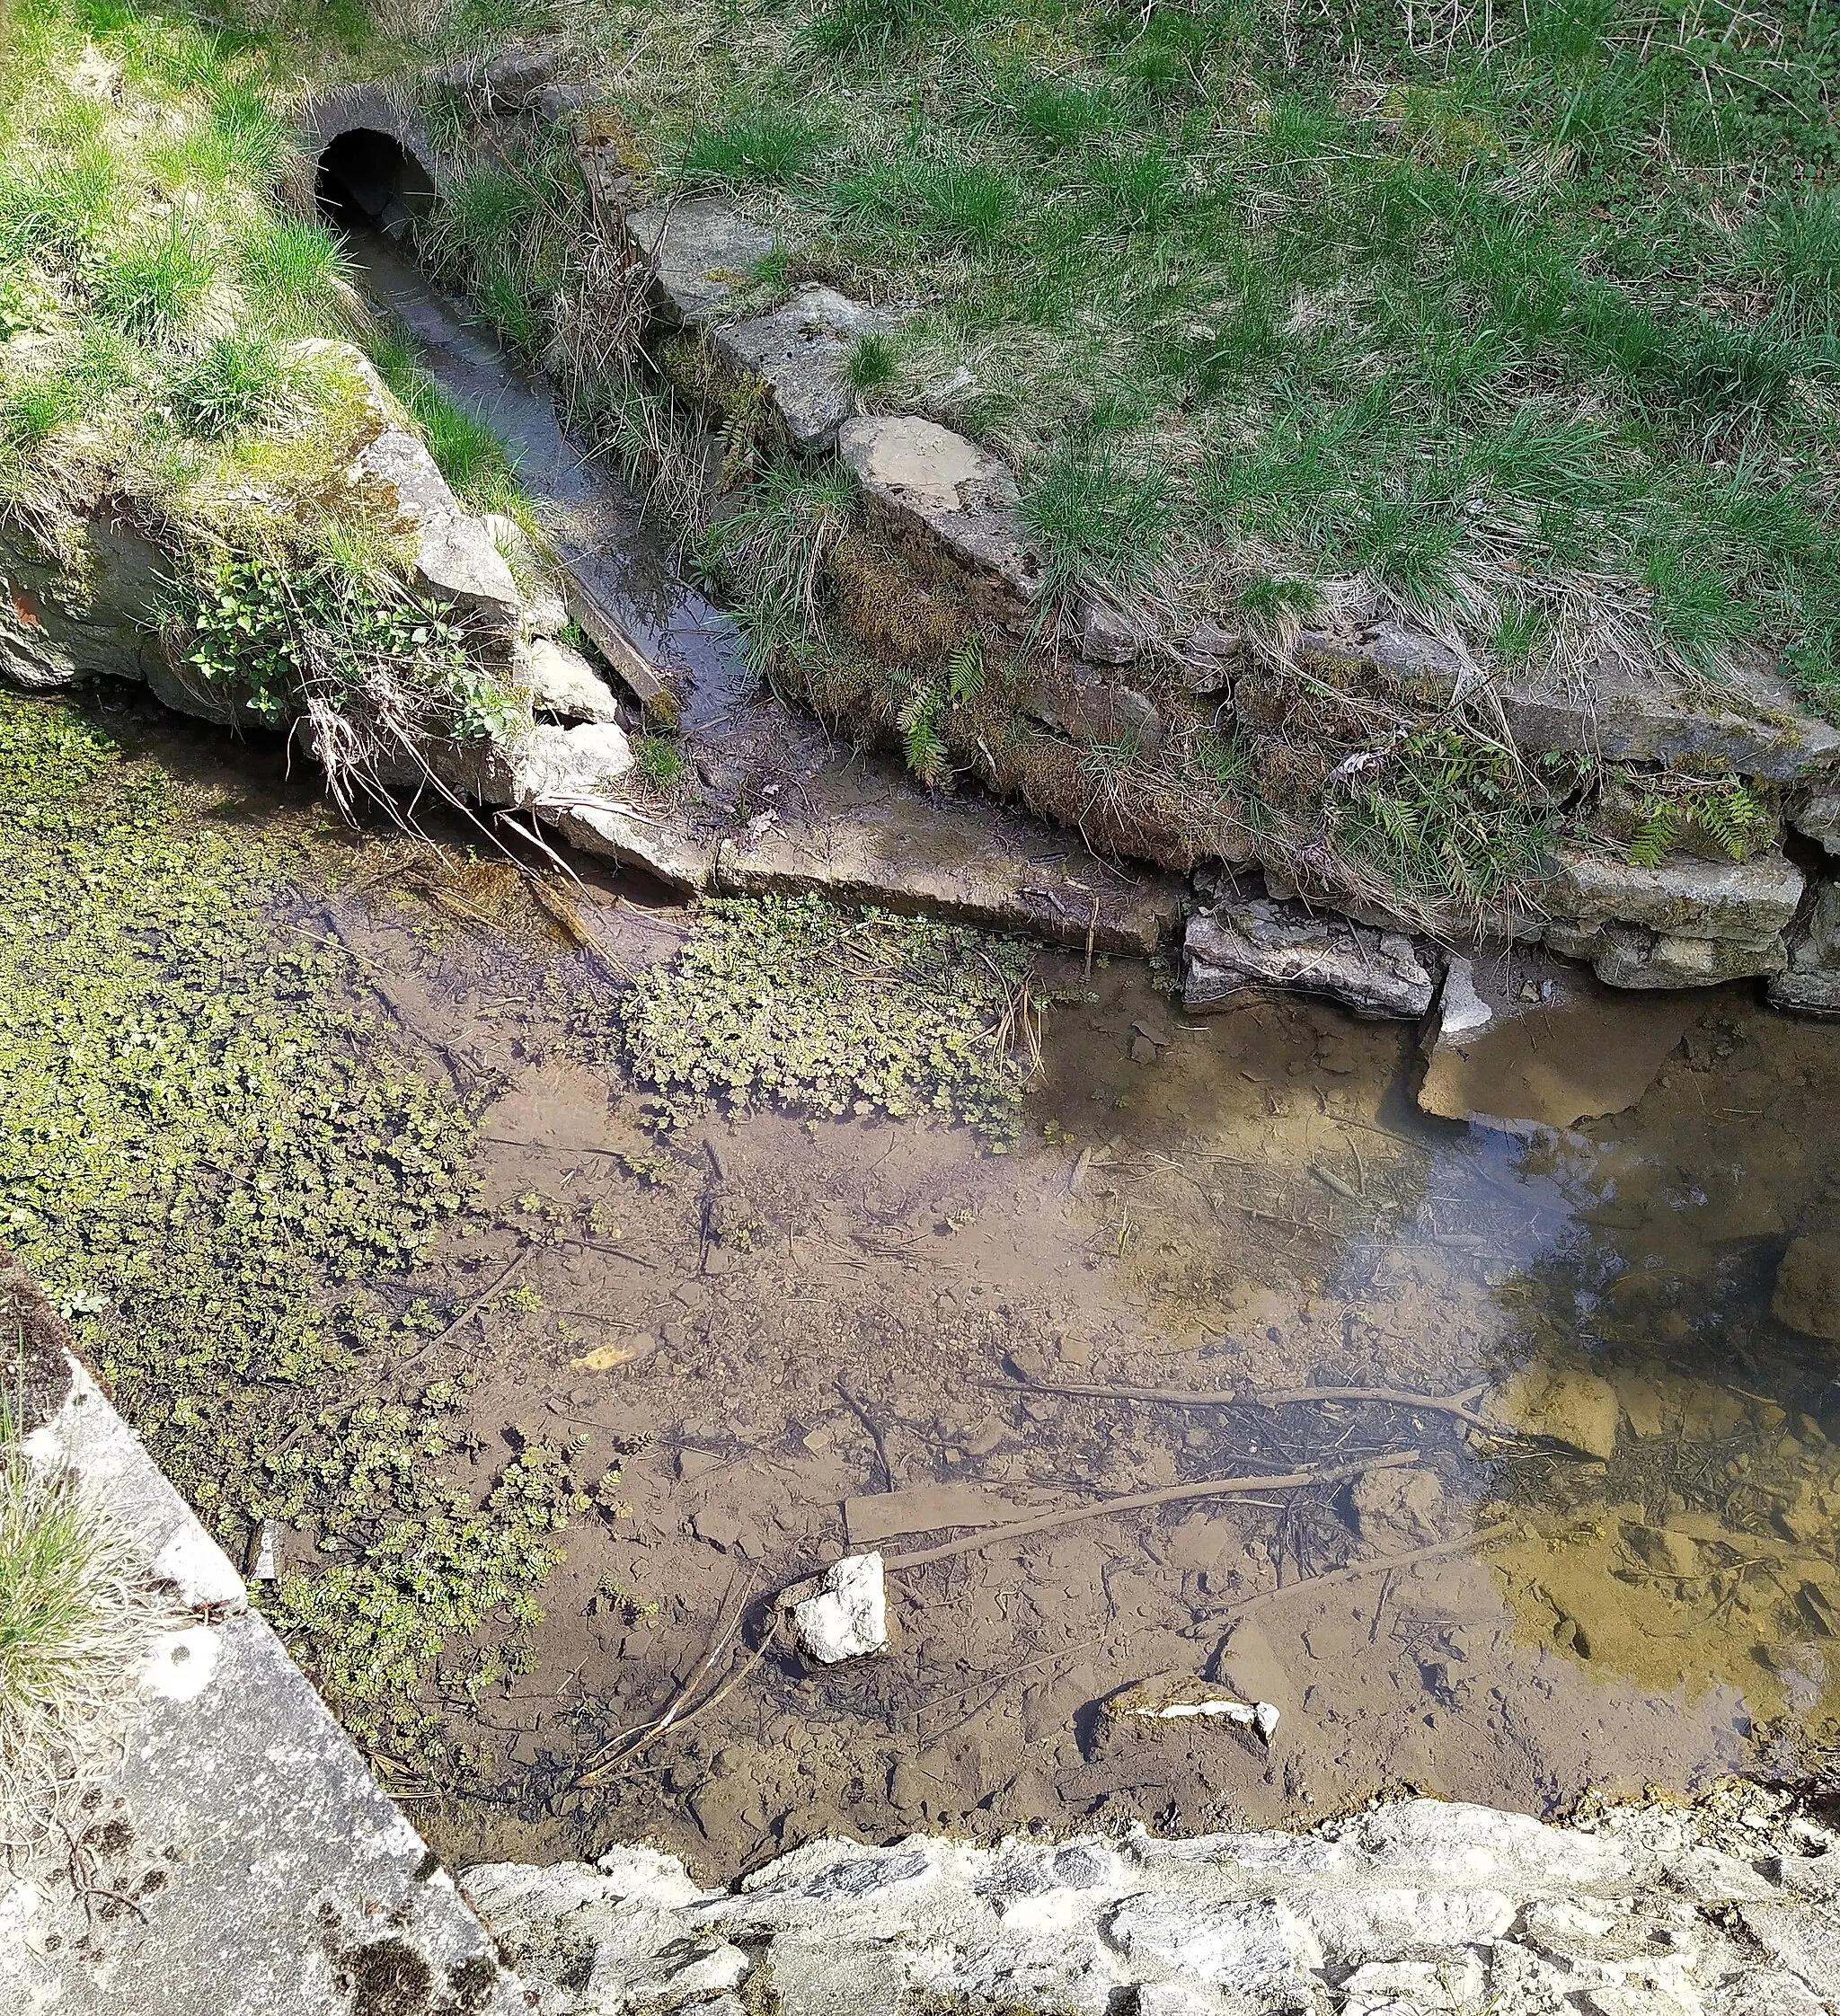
1462	1405
1391	1563
1134	1501
479	1301
630	1742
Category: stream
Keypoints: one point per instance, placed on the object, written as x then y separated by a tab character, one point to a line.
861	1352
799	1338
615	555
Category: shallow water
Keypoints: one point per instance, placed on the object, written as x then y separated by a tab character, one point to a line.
793	1336
779	1318
597	524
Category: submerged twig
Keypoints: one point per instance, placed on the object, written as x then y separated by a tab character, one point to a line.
1133	1501
519	1260
629	1743
1462	1405
1391	1564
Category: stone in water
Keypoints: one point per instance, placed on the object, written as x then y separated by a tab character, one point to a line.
848	1617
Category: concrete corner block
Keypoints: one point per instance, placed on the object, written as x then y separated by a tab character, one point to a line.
936	489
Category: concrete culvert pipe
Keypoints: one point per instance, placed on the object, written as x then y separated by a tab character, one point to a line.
367	178
373	166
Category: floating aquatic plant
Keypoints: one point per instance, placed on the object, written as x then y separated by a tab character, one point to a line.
796	1002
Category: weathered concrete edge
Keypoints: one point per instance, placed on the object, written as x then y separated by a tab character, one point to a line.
286	1878
1414	1908
1137	921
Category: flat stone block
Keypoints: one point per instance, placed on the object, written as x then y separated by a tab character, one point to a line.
705	253
936	485
1266	944
661	844
802	350
1749	900
1754	725
870	838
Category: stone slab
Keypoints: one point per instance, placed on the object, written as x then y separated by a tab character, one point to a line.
935	487
1411	1907
801	350
1261	943
1745	900
863	834
561	682
1755	726
50	635
703	253
1810	981
269	1875
660	843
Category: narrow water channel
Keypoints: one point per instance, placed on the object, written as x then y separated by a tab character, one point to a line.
592	517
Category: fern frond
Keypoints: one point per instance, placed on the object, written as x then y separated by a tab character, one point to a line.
921	740
965	673
1656	834
1732	818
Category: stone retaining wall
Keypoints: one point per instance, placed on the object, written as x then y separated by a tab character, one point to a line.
1417	1908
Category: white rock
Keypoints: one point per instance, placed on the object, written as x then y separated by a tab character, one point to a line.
560	681
1260	1950
848	1616
1461	1011
544	769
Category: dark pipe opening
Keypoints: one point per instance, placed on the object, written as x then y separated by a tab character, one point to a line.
367	178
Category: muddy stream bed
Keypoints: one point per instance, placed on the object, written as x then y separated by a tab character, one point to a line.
797	1338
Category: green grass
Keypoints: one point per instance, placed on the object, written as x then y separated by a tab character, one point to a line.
1526	318
235	383
77	1618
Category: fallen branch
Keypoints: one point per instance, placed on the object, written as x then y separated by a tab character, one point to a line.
1390	1563
1462	1405
518	1262
1134	1501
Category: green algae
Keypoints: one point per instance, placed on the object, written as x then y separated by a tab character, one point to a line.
795	1001
223	1165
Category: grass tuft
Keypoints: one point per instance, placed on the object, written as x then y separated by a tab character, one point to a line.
768	148
78	1617
1104	525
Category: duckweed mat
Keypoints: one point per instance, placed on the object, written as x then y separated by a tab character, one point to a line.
223	1166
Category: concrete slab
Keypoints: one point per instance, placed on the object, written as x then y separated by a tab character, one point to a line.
943	493
802	350
705	254
861	833
244	1861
